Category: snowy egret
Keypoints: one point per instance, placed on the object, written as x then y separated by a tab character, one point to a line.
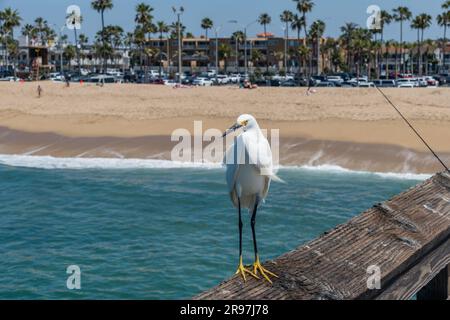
249	170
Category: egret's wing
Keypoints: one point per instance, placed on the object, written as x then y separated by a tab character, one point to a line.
259	152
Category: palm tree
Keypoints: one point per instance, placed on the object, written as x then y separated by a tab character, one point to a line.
347	39
421	22
41	26
286	17
207	24
385	19
29	31
297	25
11	19
101	6
238	37
145	26
302	53
174	30
316	32
83	40
431	46
264	19
443	20
304	7
162	28
402	14
225	53
69	54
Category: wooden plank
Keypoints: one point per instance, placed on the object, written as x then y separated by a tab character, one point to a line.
437	288
420	275
394	236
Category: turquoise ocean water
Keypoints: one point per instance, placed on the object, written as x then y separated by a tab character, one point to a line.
155	230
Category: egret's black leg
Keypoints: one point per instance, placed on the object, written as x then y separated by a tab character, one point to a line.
240	228
253	223
257	265
241	269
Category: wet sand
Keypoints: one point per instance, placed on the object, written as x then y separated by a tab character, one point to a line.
352	128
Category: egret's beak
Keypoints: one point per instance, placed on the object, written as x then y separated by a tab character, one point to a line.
232	129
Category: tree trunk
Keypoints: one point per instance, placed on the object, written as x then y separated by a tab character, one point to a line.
402	58
105	63
267	48
444	46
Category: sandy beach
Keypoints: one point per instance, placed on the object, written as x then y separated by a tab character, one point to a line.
352	128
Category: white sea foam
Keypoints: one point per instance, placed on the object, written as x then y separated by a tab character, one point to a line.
48	162
338	169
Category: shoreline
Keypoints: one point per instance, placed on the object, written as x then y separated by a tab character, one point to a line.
293	151
352	128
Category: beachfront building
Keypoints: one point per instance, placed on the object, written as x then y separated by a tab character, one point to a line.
200	54
262	53
54	57
433	59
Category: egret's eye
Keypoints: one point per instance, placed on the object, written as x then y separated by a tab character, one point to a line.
244	123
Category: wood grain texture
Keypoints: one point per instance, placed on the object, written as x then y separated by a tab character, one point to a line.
406	237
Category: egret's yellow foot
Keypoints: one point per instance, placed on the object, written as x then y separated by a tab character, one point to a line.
242	271
264	272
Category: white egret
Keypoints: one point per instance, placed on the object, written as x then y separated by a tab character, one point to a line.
249	171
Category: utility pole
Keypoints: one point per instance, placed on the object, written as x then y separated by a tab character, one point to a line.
178	13
285	48
217	51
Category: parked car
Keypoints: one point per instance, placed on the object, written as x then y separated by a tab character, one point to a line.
422	82
406	83
366	84
325	84
335	79
222	79
170	82
317	79
385	83
289	83
98	79
431	82
201	81
10	79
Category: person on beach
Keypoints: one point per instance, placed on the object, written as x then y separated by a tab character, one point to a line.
39	91
249	85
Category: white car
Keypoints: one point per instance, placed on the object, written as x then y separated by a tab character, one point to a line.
406	83
422	82
170	83
365	84
204	82
335	79
222	79
358	80
10	79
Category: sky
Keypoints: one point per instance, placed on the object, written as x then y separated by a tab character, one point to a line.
334	13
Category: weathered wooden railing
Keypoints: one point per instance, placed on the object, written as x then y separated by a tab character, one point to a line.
407	238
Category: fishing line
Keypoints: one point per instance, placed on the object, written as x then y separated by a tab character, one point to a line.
413	129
